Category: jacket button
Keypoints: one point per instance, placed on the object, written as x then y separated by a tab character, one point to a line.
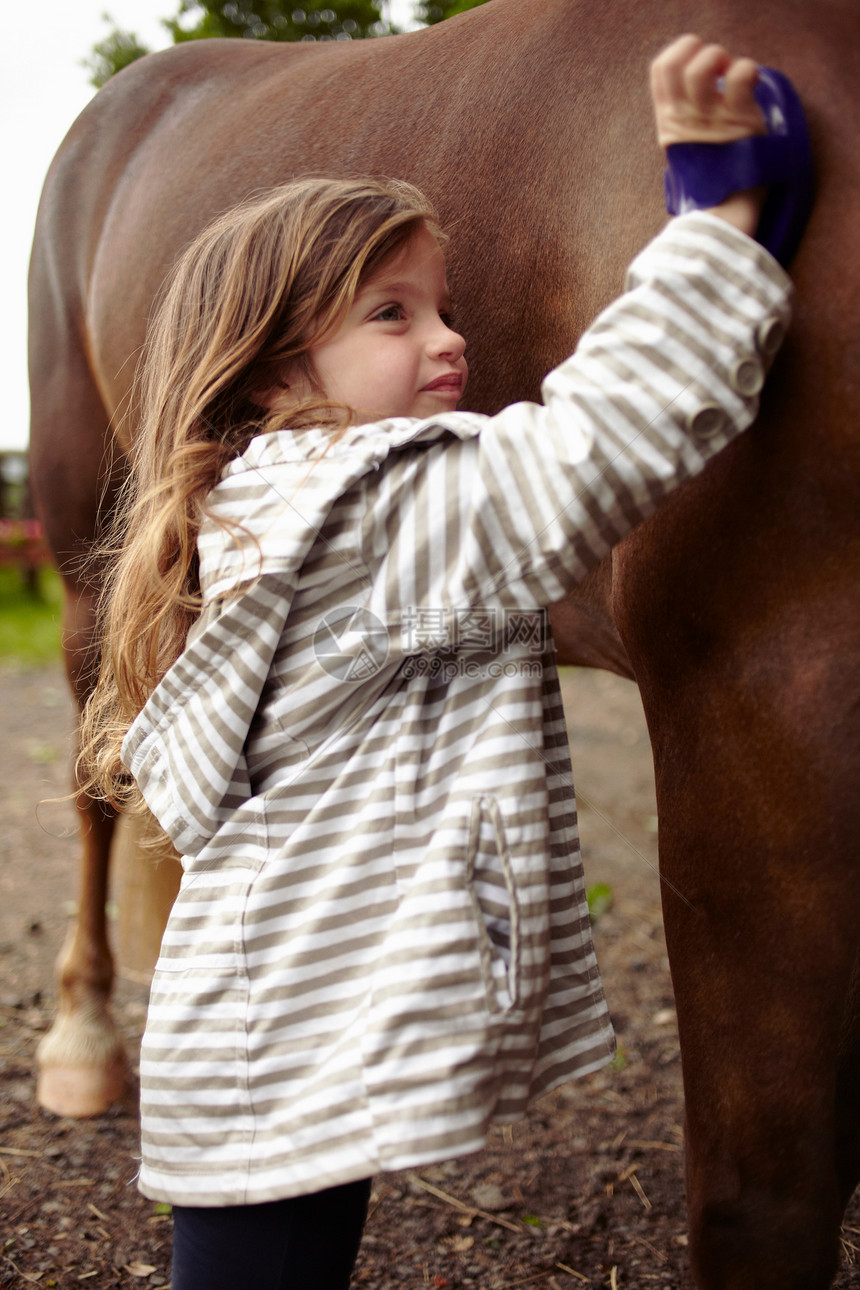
769	335
747	377
707	421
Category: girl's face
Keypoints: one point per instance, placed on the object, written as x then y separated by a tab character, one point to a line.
395	354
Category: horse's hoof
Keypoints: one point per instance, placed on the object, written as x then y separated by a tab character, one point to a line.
81	1091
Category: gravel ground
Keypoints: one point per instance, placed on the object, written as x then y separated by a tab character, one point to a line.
586	1191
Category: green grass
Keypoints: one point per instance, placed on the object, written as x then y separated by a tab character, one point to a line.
600	899
29	625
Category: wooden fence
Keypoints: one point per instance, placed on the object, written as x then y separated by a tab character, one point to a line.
22	539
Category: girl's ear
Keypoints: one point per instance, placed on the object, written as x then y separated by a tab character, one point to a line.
286	387
272	397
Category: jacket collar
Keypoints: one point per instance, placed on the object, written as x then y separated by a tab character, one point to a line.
373	442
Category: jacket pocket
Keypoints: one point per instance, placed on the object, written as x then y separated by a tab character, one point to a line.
205	930
490	883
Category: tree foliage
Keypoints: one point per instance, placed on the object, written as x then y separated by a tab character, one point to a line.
277	20
116	51
432	11
307	20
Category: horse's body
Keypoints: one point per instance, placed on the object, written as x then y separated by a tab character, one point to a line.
735	608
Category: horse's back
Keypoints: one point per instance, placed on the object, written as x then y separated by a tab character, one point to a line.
531	132
464	110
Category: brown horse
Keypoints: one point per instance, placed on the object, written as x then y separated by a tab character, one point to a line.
735	608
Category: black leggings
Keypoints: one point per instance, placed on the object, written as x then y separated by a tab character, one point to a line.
304	1243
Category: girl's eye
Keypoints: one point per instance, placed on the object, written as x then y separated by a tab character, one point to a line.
391	313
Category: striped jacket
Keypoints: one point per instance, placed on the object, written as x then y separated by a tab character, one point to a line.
381	944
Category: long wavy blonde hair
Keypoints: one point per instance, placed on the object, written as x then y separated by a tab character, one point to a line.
245	302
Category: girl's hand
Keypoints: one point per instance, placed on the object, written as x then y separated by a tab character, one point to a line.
691	107
692	104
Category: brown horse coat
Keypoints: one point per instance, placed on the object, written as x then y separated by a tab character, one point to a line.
736	609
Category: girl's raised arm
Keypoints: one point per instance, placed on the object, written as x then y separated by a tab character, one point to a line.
701	94
737	142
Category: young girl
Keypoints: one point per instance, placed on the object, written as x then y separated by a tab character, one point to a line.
327	670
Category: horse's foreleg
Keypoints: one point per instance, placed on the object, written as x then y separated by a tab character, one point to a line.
758	835
82	1065
74	475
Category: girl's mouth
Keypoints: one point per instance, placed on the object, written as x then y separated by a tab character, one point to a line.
450	383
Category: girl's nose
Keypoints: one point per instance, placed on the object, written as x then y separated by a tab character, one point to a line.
448	343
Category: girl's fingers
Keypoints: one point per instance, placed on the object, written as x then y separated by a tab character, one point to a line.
701	74
740	82
702	94
667	69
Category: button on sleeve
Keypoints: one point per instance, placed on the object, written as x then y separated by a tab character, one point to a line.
769	335
707	421
747	377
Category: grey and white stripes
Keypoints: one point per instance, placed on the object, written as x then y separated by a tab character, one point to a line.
381	945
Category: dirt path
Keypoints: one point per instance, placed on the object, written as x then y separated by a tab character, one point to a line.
587	1191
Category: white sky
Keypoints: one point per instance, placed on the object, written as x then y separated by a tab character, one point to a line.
43	87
